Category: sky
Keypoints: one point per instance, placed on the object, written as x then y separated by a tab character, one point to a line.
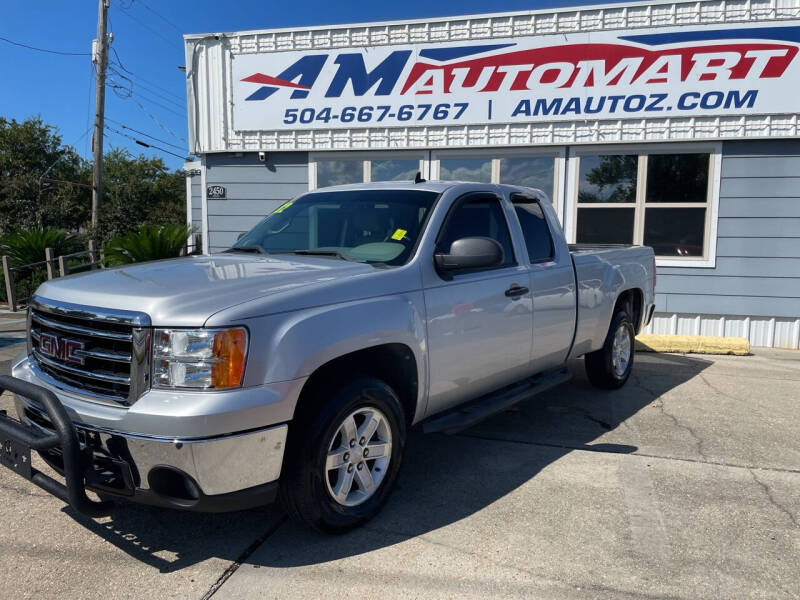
148	49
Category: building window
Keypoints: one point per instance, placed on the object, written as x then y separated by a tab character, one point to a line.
608	179
394	169
466	168
341	168
338	172
660	199
531	171
530	168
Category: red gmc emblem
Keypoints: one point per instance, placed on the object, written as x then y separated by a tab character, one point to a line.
62	349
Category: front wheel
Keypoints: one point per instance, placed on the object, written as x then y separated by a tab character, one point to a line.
342	461
610	367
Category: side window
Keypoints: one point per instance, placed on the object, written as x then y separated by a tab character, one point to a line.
479	218
534	227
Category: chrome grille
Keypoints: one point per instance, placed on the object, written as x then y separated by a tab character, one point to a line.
94	352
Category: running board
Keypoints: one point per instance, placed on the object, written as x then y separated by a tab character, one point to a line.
466	415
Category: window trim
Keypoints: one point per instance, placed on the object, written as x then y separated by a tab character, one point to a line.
559	153
365	158
714	149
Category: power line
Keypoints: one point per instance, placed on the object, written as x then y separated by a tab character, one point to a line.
140	79
146	95
160	16
62	53
147	135
128	93
50	180
166	96
157	122
150	29
179	105
144	144
125	90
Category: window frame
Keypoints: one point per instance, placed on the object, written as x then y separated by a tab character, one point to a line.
713	149
558	153
454	207
365	158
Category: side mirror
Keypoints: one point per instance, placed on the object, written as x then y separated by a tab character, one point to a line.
470	253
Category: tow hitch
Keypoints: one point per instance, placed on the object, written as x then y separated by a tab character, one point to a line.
17	440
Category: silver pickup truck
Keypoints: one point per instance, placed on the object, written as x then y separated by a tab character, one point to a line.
293	364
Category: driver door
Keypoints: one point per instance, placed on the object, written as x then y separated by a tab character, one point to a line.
479	322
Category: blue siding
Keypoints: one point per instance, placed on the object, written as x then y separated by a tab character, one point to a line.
197	209
758	239
253	188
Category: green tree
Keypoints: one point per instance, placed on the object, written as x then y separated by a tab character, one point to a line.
45	184
139	191
33	165
613	179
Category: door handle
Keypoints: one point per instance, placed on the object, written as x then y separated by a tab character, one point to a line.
516	290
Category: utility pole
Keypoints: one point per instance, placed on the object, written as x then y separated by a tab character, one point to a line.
100	59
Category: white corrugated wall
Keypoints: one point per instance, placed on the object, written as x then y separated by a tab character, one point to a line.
759	331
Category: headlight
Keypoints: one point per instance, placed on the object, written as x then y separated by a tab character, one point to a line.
199	358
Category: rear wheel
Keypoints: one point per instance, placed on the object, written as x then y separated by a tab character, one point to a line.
342	460
610	367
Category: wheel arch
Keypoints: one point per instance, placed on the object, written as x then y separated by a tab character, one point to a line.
393	363
632	299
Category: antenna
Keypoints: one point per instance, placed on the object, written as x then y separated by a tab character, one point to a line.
418	178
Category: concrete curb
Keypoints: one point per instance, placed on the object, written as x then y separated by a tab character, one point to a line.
695	344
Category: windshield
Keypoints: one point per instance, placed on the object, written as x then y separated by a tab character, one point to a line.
375	226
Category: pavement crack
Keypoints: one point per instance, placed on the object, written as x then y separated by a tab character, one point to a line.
614	449
234	566
714	388
772	500
658	402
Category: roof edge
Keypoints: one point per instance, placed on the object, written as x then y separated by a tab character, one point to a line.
188	37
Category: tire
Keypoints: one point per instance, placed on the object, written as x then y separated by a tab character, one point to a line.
602	368
310	483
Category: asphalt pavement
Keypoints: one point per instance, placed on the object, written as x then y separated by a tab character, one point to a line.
681	485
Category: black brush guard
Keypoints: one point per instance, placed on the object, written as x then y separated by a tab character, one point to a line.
18	439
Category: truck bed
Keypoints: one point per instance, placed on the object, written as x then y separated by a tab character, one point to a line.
601	272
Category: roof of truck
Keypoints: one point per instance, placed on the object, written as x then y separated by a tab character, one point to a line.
432	186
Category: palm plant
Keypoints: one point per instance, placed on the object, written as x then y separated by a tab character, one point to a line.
26	247
151	242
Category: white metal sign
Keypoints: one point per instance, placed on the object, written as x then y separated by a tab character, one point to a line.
632	74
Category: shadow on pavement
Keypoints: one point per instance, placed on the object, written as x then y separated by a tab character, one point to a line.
444	478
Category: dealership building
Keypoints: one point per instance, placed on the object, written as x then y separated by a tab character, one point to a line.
671	124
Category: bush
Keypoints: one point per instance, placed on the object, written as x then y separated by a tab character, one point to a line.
151	242
26	247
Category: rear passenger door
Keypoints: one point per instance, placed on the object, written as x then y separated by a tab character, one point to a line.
552	283
479	321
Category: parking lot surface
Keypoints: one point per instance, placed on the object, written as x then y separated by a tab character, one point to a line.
681	485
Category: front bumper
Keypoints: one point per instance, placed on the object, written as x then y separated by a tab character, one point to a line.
212	472
199	474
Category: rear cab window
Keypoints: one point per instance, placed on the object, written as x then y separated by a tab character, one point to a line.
538	239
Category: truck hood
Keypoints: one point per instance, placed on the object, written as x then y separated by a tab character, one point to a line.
187	291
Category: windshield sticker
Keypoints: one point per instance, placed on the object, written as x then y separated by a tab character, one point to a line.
285	206
399	234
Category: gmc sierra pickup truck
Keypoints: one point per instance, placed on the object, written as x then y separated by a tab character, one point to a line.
293	364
